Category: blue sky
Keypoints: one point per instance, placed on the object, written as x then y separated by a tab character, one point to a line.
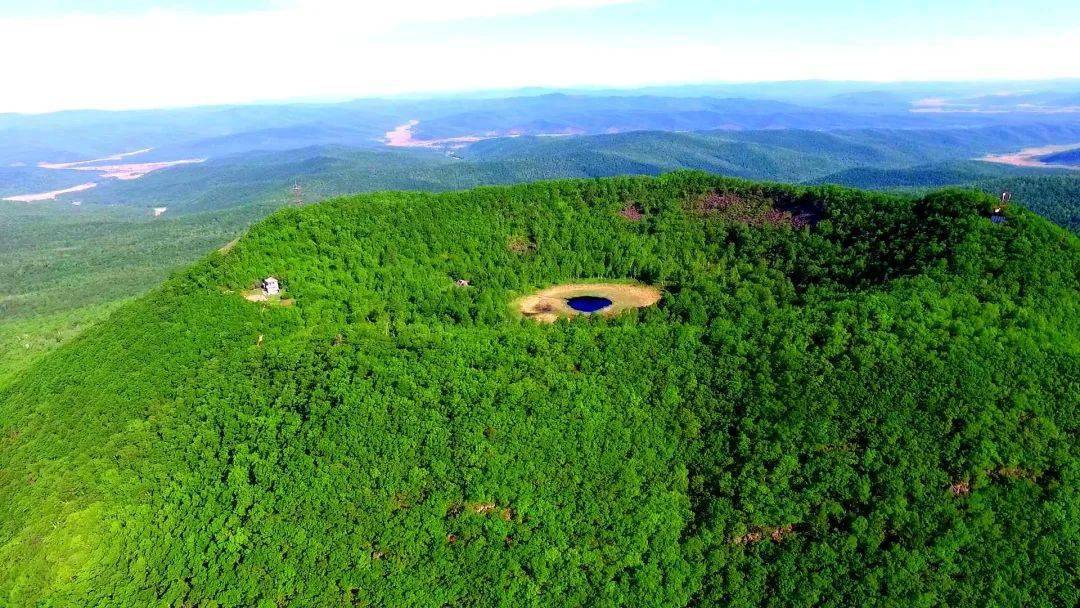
131	53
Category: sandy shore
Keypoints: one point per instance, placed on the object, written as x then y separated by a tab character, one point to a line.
548	305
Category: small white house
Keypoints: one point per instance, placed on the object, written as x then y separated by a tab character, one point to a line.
271	286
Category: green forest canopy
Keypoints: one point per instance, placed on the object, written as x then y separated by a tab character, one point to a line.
843	398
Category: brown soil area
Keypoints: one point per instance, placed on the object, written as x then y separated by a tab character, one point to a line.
549	305
1028	157
49	196
258	295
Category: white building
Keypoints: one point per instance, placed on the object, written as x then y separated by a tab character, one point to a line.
271	286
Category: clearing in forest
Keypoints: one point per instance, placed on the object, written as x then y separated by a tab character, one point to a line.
548	305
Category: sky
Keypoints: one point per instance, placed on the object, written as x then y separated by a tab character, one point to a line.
123	54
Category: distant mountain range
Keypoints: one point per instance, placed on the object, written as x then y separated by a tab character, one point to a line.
209	132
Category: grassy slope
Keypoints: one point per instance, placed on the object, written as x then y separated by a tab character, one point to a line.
395	440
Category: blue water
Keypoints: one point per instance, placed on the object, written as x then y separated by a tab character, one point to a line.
588	303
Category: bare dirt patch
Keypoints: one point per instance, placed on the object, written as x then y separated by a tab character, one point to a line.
130	171
402	136
49	196
549	305
120	171
258	295
1029	157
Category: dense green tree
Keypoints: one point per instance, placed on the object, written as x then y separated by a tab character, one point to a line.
874	406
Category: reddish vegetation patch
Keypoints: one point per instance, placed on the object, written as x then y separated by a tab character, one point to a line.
756	211
632	213
960	488
1014	473
520	244
775	533
721	202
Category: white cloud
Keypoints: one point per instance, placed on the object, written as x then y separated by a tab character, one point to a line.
178	58
330	48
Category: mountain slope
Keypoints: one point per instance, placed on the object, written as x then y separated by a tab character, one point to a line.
1069	158
877	407
871	157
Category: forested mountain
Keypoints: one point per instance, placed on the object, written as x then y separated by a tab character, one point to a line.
864	158
842	398
1056	198
215	131
65	265
1066	157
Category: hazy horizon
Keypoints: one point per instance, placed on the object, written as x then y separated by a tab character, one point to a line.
676	89
183	53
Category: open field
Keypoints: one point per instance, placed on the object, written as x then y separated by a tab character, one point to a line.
1029	157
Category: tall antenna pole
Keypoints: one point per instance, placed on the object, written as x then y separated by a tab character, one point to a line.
298	194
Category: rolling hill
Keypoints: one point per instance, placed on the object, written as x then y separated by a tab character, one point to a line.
862	157
841	398
1070	158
